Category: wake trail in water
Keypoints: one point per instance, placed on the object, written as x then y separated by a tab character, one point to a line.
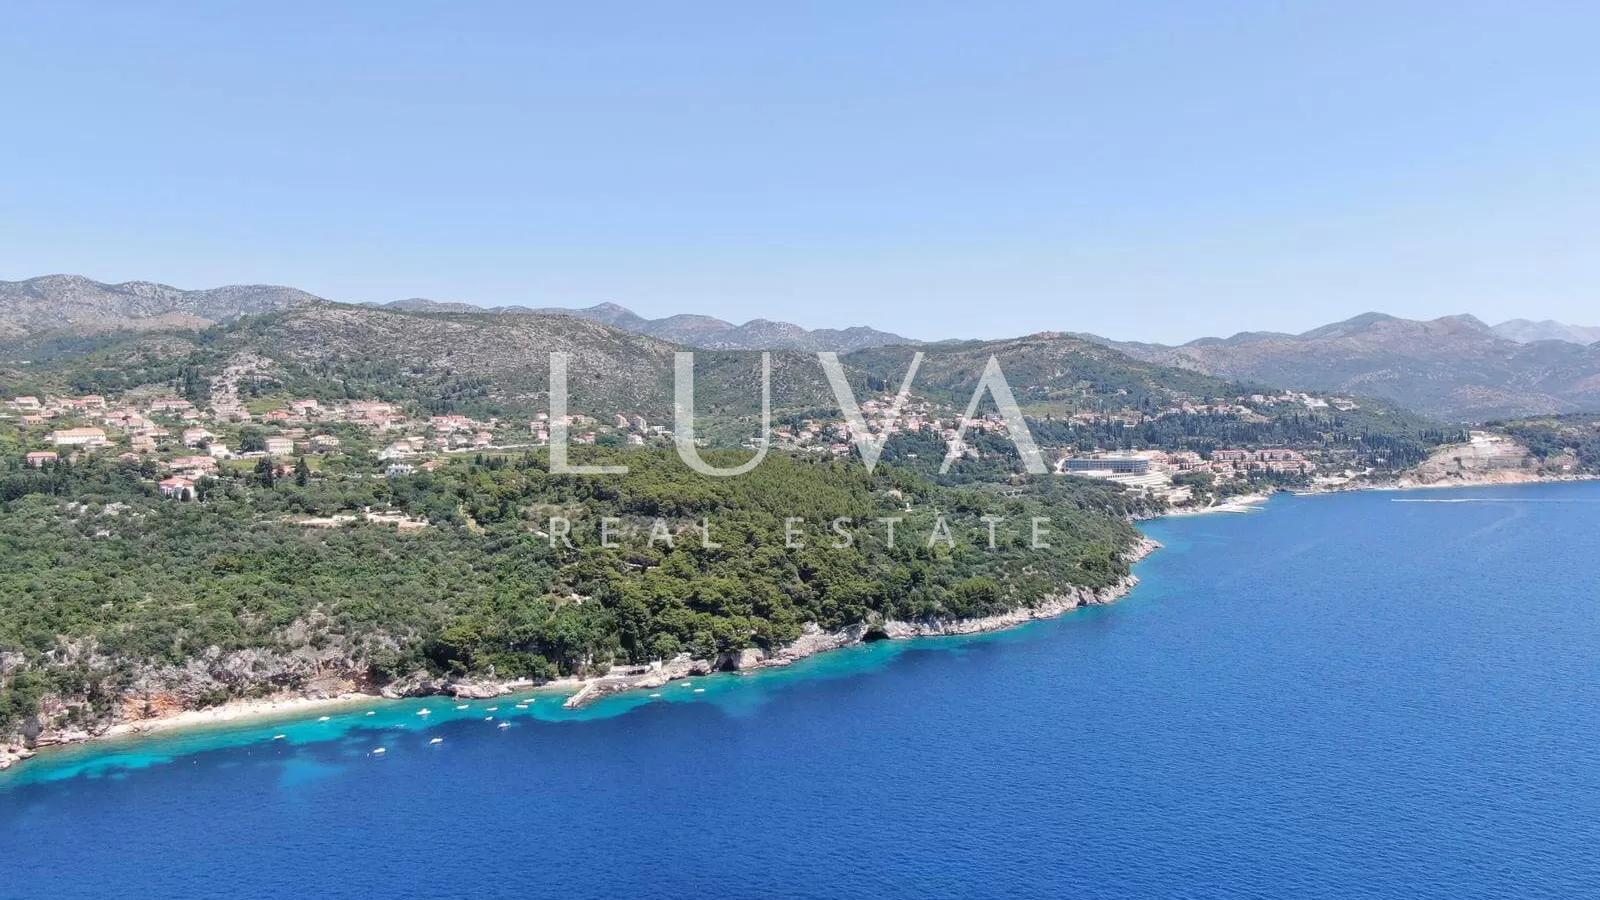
1491	500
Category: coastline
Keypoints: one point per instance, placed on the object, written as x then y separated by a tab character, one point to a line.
1243	503
815	640
286	704
586	690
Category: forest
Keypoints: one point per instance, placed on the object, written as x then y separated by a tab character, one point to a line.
107	589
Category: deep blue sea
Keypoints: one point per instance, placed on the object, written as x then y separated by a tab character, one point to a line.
1389	695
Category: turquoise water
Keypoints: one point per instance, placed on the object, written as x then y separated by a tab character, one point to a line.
1366	695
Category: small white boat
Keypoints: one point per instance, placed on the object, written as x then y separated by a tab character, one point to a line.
436	741
424	712
488	718
462	706
654	696
522	706
379	751
505	725
279	737
699	690
371	713
493	709
324	718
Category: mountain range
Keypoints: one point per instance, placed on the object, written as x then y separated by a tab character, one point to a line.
1526	331
498	363
704	332
1455	368
77	305
73	304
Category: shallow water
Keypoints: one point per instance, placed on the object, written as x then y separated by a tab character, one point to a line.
1343	696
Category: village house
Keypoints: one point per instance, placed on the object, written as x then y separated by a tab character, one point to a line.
126	419
402	448
78	437
177	488
26	403
194	437
279	446
170	404
219	451
194	463
38	458
451	423
372	410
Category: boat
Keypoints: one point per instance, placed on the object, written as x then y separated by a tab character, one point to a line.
279	737
324	718
379	751
493	709
699	690
505	725
462	706
654	695
424	712
436	741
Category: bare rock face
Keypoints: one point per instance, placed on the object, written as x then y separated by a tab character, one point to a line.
11	754
417	684
477	690
739	660
329	686
1484	459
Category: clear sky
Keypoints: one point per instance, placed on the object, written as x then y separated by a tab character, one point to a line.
1143	170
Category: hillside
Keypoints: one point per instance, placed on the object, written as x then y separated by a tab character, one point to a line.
1050	372
480	363
492	363
1454	368
255	599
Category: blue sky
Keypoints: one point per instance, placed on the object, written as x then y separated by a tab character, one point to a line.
1144	170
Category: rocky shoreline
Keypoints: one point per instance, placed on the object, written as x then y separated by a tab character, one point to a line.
813	641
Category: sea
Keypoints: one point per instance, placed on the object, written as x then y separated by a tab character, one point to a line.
1364	695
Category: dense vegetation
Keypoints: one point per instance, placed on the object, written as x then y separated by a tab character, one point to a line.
102	582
